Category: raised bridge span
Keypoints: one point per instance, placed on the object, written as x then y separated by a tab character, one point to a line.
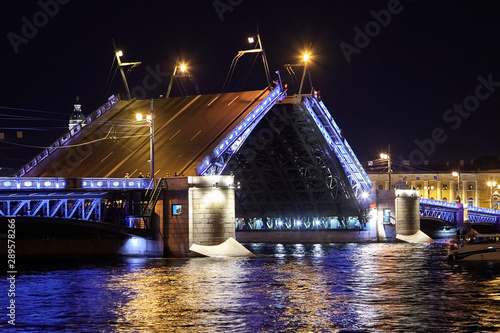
287	154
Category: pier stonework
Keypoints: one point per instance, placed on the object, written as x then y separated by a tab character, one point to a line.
407	212
198	210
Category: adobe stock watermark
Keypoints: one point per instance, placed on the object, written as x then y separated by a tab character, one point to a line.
372	29
258	143
30	28
151	81
453	117
222	7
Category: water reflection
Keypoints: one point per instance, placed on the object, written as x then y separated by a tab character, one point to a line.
286	287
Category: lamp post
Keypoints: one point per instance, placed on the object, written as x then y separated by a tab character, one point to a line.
457	174
388	158
429	189
182	68
118	54
259	48
150	119
306	61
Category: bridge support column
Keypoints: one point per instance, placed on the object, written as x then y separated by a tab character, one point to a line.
198	210
385	215
407	212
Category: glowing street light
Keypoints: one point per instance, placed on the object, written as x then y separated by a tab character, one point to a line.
306	58
119	54
388	158
258	49
183	68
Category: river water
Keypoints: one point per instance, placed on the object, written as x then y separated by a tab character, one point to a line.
284	288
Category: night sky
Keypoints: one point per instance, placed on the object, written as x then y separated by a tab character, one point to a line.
422	76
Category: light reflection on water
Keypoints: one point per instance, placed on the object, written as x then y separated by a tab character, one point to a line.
293	287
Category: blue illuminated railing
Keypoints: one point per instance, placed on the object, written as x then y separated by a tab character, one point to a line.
474	209
233	141
47	183
357	176
112	100
439	203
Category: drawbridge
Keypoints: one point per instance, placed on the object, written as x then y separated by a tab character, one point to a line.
287	154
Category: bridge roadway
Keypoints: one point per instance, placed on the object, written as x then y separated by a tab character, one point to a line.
186	130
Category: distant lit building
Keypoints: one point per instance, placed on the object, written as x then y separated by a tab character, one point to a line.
77	116
479	185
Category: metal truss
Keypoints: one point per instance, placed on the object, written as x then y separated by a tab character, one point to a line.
483	215
441	213
482	218
131	209
85	209
448	211
286	168
356	175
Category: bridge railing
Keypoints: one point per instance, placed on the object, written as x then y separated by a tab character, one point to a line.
439	203
54	183
112	100
215	162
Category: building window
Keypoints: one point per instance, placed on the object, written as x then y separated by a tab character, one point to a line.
445	187
471	187
470	201
381	187
419	187
387	216
445	199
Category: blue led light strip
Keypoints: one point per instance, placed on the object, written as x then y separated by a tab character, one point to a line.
439	203
50	183
233	141
112	100
354	171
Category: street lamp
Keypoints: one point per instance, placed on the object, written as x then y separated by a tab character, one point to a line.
183	69
457	174
305	58
258	48
429	189
388	158
150	121
118	54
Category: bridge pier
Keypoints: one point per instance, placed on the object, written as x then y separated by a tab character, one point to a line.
397	214
196	210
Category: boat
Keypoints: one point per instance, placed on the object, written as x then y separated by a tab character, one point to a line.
477	247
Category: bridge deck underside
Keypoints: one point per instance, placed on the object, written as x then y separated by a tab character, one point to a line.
286	168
